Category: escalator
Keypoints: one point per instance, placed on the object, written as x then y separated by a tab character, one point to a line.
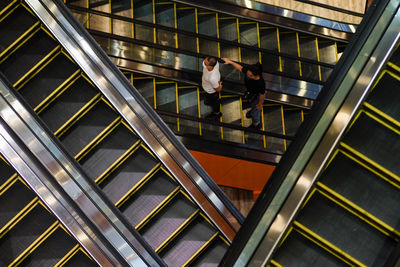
189	122
170	40
30	235
186	32
337	24
178	211
351	216
340	188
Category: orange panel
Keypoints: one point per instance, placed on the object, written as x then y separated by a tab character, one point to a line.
235	172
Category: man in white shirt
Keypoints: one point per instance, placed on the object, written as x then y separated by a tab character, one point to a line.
211	82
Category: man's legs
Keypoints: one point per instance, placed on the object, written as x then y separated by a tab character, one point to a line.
255	113
213	101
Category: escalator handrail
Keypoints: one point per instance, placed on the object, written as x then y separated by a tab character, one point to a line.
310	138
138	114
65	212
64	188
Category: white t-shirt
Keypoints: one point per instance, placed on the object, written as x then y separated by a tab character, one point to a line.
210	79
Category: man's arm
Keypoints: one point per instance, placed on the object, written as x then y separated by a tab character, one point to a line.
234	64
219	88
260	101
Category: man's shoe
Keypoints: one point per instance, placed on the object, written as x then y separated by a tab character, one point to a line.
248	114
255	127
213	115
218	114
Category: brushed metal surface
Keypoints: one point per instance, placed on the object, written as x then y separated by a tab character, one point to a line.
329	141
117	89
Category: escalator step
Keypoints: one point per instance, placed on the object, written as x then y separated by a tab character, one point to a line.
207	24
213	255
396	57
186	19
47	80
120	5
188	127
288	44
386	96
108	151
273	125
165	14
145	87
249	56
13	201
380	144
81	260
4	3
189	242
171	122
364	188
346	231
248	34
169	219
148	197
298	251
128	174
166	99
24	233
98	3
88	127
27	56
227	29
327	52
187	43
143	10
66	105
11	28
292	121
188	102
229	51
51	251
5	172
